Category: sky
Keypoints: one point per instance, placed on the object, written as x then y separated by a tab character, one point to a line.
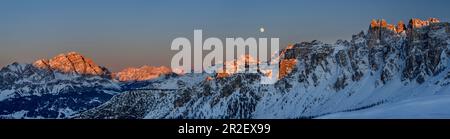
131	33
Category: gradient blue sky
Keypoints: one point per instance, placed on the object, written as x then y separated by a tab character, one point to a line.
122	33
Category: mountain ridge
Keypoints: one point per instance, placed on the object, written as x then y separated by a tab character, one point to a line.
142	73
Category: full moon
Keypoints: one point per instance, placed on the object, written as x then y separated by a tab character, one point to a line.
261	29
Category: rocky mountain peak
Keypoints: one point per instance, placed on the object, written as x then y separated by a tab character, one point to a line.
377	24
418	23
141	73
381	23
71	62
400	26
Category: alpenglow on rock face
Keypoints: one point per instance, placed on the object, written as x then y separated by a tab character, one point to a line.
142	73
417	23
71	62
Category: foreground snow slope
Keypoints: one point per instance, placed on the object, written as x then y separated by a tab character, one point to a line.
430	107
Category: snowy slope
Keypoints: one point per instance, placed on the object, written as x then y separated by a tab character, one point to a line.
430	107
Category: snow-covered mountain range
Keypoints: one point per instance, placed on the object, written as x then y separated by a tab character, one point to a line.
389	67
56	88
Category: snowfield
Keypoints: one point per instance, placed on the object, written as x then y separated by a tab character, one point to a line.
431	107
